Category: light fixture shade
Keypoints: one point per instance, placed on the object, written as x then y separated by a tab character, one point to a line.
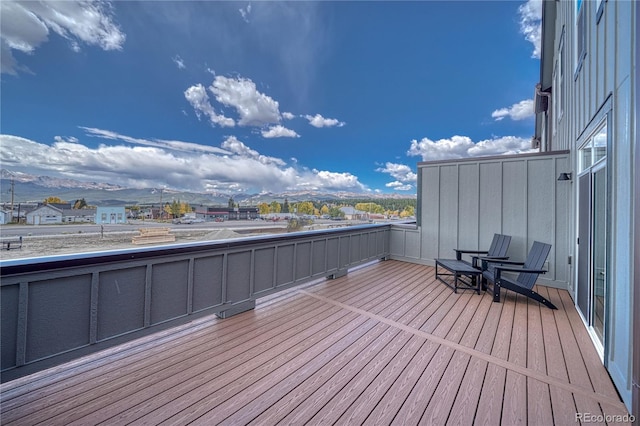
564	176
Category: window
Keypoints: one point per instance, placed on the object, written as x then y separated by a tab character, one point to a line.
595	148
580	35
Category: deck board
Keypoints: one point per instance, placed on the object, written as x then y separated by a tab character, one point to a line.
385	344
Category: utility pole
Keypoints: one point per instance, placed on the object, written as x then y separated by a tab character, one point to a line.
12	192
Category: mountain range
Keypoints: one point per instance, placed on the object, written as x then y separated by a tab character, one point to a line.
28	188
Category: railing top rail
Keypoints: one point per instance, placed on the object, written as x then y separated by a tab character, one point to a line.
54	262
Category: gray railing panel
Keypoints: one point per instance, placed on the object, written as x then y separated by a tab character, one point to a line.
169	291
61	307
58	316
9	303
284	262
344	251
333	253
238	277
319	257
264	265
120	301
303	261
207	282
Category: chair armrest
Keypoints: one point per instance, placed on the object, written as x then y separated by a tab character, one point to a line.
474	259
499	270
504	261
459	252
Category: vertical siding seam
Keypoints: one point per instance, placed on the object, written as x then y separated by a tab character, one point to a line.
21	337
93	314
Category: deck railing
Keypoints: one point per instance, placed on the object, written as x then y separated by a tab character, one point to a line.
58	308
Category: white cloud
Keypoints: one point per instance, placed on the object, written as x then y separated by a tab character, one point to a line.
400	172
199	100
159	143
319	121
140	163
279	132
238	148
65	139
399	186
463	146
520	111
531	24
179	62
24	26
404	177
245	13
288	116
335	181
253	107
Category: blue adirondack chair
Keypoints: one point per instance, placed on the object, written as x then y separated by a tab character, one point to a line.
529	271
497	250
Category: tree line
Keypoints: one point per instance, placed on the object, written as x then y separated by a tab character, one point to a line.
401	207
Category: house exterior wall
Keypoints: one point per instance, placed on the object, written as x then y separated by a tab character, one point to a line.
603	84
105	215
5	217
44	215
462	203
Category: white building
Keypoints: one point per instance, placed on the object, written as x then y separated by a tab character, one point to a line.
105	215
44	215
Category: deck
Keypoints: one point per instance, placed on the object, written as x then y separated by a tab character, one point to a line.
386	344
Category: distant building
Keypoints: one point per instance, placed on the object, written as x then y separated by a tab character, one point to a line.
44	215
352	214
212	213
5	216
109	215
243	213
225	213
78	215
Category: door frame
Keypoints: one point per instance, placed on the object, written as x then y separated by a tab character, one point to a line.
602	118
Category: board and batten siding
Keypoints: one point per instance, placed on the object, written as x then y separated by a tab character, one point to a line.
462	203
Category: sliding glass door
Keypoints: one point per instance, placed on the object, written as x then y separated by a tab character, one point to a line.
592	234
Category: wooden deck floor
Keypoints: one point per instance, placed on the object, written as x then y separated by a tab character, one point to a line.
386	344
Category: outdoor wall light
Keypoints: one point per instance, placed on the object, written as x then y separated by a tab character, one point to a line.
564	176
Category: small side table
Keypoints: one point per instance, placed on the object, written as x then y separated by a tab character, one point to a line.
457	269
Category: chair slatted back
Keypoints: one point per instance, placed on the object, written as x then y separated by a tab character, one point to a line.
499	245
535	260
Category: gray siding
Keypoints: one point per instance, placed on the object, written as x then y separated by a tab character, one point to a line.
463	203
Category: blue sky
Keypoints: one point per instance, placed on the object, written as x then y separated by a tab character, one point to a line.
263	96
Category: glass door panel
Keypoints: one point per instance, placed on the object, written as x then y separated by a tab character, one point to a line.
584	242
599	250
